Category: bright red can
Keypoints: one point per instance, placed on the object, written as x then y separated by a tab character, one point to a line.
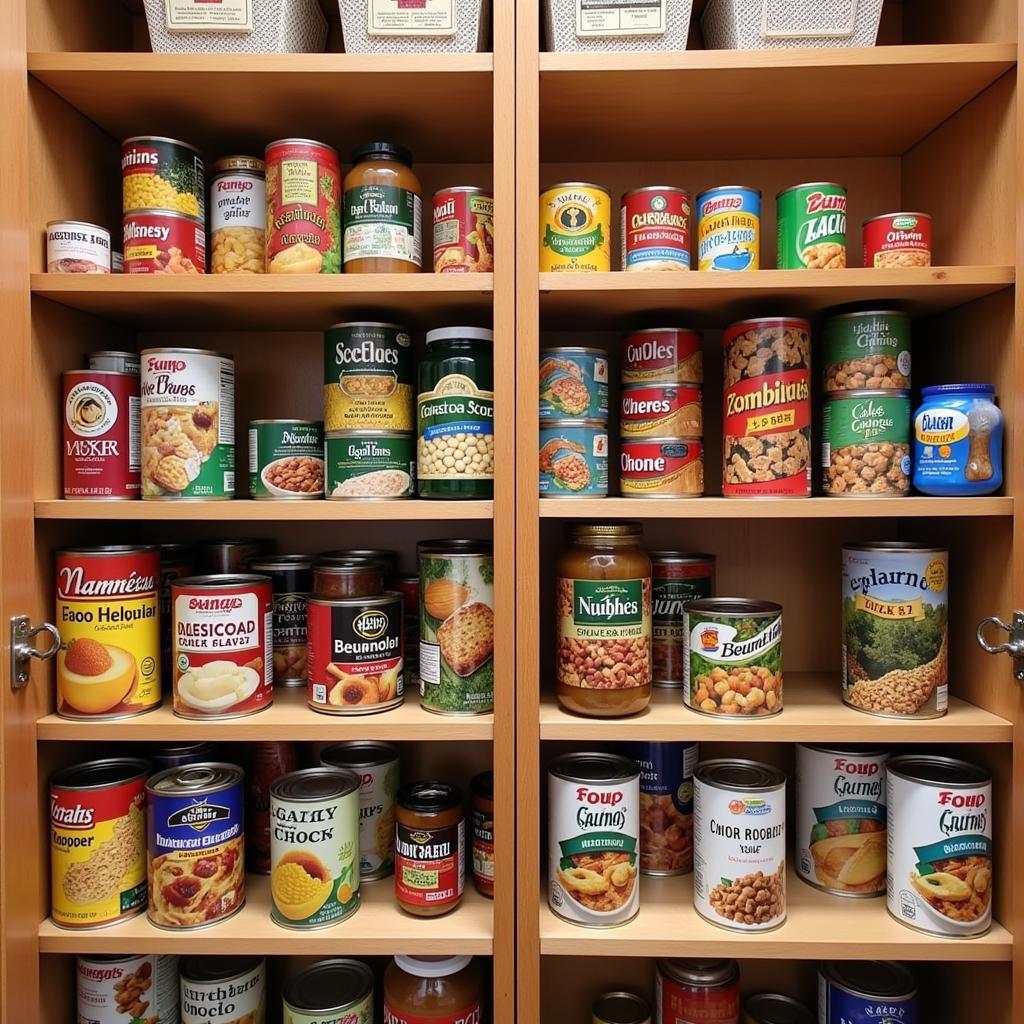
662	410
268	761
102	455
898	240
662	467
463	231
697	992
662	355
655	223
161	242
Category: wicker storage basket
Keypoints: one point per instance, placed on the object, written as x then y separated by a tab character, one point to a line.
472	25
561	28
787	24
278	26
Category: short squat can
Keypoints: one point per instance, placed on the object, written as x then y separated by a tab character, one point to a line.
655	225
855	991
573	459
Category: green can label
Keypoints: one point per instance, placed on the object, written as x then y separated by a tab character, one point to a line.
812	227
370	465
456	431
866	450
867	351
383	222
286	459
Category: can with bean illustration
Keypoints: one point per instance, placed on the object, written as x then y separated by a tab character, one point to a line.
865	448
867	350
573	383
574	459
286	459
238	216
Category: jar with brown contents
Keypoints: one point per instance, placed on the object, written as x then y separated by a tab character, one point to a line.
350	577
482	788
603	602
430	868
433	990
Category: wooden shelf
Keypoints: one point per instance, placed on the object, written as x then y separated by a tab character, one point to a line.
876	101
714	299
817	926
270	302
341	99
774	508
243	510
288	718
814	713
378	927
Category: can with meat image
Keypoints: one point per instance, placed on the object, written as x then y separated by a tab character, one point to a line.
463	231
77	247
573	383
161	242
116	989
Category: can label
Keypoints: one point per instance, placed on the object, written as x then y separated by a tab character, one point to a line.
866	444
238	1000
452	418
898	240
575	223
483	848
161	174
837	1006
676	1003
357	1013
573	385
383	222
661	410
573	459
286	459
290	637
158	242
268	761
812	228
108	664
238	223
668	356
655	226
867	351
656	468
188	424
223	648
378	787
463	232
98	853
365	465
673	584
729	229
472	1014
430	864
139	987
76	248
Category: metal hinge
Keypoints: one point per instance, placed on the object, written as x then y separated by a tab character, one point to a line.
23	650
1014	646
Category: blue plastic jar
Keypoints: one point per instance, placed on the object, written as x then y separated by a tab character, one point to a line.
958	441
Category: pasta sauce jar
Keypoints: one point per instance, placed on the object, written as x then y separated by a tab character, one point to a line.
433	990
430	848
482	788
707	991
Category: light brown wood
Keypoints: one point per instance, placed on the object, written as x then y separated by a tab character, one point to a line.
244	510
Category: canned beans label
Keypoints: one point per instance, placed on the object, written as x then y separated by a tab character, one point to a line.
573	385
161	174
812	228
575	225
729	229
286	459
463	232
139	987
661	467
662	357
456	431
867	351
238	223
238	1000
898	240
866	446
573	459
659	410
158	242
655	227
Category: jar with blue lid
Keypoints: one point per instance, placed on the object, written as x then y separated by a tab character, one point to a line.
958	441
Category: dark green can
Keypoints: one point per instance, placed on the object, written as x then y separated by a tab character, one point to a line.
867	351
866	447
286	459
371	465
812	227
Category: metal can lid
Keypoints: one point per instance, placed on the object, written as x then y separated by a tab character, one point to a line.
811	184
430	796
700	973
593	767
771	1008
870	978
894	547
574	350
732	607
470	189
728	188
159	138
558	186
358	754
220	580
899	213
767	321
581	531
329	986
656	188
383	557
82	224
933	770
460	334
621	1008
455	548
111	771
181	749
739	775
252	164
680	557
210	969
275	563
578	424
110	550
311	785
301	142
196	779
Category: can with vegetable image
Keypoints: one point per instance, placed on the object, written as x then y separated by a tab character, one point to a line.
162	174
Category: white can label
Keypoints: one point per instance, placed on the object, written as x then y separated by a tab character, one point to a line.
410	17
77	249
238	201
377	791
122	990
204	16
225	1002
620	18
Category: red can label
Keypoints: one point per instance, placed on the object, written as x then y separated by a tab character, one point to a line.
661	410
470	1015
662	468
222	646
676	1003
463	231
430	864
102	454
159	242
655	226
898	240
662	356
767	409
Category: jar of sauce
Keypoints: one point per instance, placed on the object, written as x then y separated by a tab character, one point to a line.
482	788
383	204
433	990
704	990
430	869
353	577
603	632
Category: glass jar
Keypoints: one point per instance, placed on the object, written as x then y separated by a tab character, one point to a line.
455	415
441	989
429	870
385	557
354	577
383	212
603	602
482	788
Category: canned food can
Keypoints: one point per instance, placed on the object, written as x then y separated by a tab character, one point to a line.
377	766
355	654
594	839
409	588
97	842
898	240
161	242
733	657
739	858
231	556
940	876
188	424
729	228
620	1008
175	755
268	760
812	227
371	465
108	663
573	383
766	416
456	626
865	448
661	410
867	350
676	579
111	986
196	830
117	262
338	991
895	629
102	457
303	183
117	362
238	216
463	231
655	227
286	459
772	1008
222	628
162	174
662	355
666	805
77	247
661	467
841	819
383	558
697	990
575	228
291	580
314	842
223	990
573	459
850	991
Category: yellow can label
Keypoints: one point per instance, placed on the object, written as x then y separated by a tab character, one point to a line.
575	229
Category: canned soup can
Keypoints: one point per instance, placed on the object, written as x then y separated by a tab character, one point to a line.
697	990
662	355
739	858
118	362
575	228
161	242
940	877
111	987
729	228
594	839
371	465
772	1008
865	991
286	459
223	990
573	383
330	992
661	410
676	579
77	247
196	830
655	227
573	459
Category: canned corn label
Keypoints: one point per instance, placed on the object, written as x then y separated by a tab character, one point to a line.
162	174
729	229
452	417
812	227
575	225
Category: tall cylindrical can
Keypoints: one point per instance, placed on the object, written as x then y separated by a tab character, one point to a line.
113	986
223	990
268	760
291	577
729	228
655	225
812	227
676	579
463	231
238	216
162	174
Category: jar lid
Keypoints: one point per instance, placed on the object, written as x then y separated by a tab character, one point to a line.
433	966
958	389
253	164
430	797
575	530
382	151
460	334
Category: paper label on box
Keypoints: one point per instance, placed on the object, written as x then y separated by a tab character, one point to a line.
620	18
208	15
410	17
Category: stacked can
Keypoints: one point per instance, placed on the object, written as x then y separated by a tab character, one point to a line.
573	422
662	417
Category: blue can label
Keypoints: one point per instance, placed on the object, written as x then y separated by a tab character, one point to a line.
837	1006
729	229
573	384
958	446
573	460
